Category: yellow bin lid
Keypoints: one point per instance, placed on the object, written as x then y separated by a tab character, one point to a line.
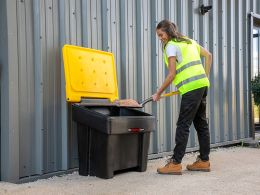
89	73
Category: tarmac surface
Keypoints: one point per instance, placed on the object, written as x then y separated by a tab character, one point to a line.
235	170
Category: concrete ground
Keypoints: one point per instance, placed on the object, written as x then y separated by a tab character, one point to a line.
235	170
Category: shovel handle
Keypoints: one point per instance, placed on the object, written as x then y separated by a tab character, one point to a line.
146	101
162	96
170	94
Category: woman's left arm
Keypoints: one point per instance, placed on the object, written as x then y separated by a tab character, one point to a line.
208	59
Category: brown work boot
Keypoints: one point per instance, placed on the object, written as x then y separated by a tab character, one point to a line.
199	165
171	168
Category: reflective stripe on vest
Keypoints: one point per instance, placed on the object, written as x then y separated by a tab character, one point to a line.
188	65
194	78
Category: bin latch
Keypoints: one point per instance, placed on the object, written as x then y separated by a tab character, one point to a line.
135	130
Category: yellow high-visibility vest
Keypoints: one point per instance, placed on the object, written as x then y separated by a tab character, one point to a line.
190	74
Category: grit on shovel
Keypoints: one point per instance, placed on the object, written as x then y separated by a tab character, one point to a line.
135	104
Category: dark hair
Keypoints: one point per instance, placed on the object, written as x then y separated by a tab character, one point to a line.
171	30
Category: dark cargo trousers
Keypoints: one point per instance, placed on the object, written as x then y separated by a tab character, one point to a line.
193	109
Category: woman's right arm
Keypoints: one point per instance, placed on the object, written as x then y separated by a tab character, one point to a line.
169	78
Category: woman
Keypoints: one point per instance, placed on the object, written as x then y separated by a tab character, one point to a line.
182	57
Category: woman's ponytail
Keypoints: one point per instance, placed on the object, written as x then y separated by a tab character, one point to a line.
171	30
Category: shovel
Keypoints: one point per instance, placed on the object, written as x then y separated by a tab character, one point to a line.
135	104
162	96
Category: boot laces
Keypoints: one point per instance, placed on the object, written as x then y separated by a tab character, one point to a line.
198	159
168	162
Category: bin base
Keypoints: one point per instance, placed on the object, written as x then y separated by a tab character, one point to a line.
102	154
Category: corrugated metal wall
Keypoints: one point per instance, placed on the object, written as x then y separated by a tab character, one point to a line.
36	128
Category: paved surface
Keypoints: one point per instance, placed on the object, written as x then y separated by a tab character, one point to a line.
235	170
